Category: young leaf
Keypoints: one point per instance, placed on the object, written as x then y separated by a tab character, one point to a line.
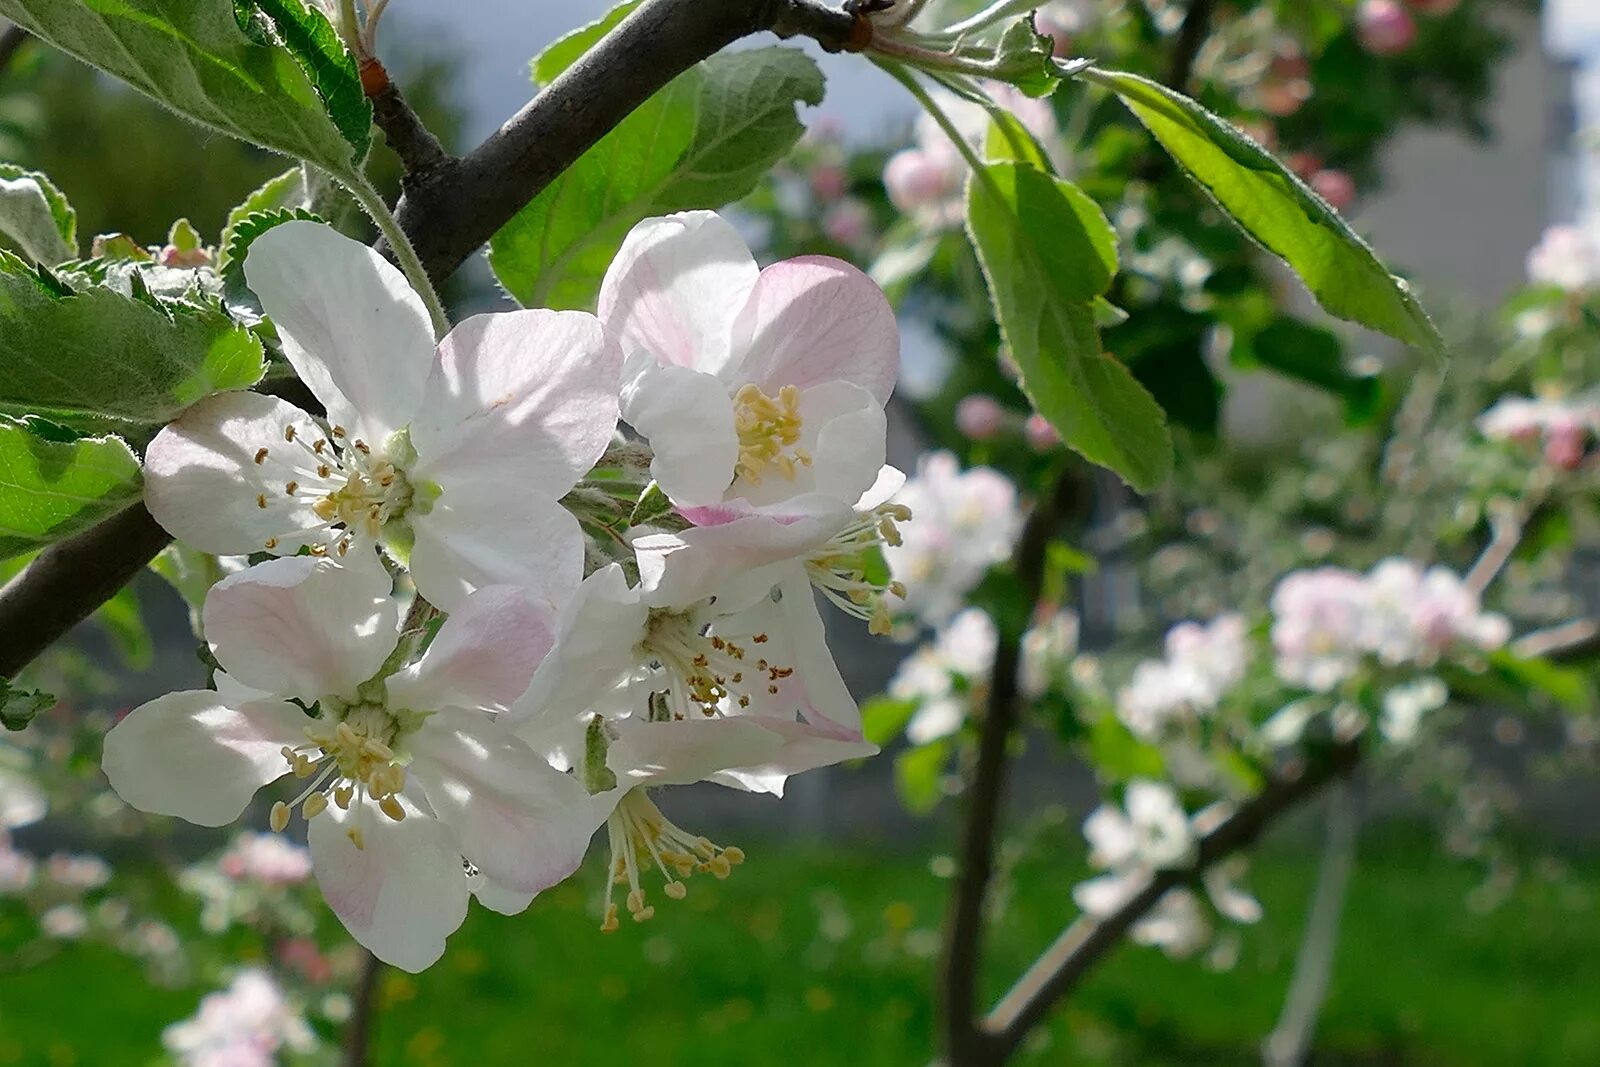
19	707
53	485
701	142
35	215
241	232
312	40
1048	254
564	52
96	357
200	59
1278	210
284	193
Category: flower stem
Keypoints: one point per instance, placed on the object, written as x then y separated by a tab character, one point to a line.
404	254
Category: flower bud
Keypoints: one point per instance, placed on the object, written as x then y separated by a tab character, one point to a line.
1385	27
1336	187
1040	434
980	417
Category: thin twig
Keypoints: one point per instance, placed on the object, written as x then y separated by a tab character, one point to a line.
1191	37
1086	942
419	150
1290	1040
359	1034
964	1043
1578	639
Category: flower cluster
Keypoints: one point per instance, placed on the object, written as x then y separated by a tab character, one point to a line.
1567	257
245	1025
1202	663
591	649
1561	430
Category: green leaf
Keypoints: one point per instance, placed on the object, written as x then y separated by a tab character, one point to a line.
1573	688
19	707
919	775
567	50
51	488
35	215
1117	754
703	141
653	503
1048	254
203	60
883	718
285	192
1278	210
241	233
311	39
1315	356
95	357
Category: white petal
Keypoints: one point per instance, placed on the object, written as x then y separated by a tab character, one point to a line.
683	568
189	755
804	748
688	418
816	319
350	324
596	647
204	486
480	534
680	753
500	898
890	480
815	691
483	656
675	288
522	823
528	398
303	627
401	894
21	802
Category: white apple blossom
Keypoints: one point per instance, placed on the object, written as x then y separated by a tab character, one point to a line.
18	870
688	676
1201	664
271	859
964	650
1567	257
21	801
1561	428
963	523
927	181
245	1025
1151	830
752	385
1404	707
453	458
1319	618
415	798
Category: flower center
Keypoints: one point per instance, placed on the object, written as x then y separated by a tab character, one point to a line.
347	761
354	490
641	837
703	670
850	569
769	431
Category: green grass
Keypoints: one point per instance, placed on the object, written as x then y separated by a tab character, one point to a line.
818	956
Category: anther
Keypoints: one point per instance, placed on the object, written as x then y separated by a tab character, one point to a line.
288	432
279	817
315	805
261	455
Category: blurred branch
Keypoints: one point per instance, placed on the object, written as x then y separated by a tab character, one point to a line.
965	1044
67	581
1290	1040
452	210
1191	38
1086	941
363	1017
1575	640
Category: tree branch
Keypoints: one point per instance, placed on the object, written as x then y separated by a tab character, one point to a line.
1191	38
964	1043
363	1017
453	210
403	129
1086	941
67	581
1575	640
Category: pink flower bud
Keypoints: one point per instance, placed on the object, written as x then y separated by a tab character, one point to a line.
1304	164
1336	187
848	222
914	180
1564	446
1040	434
1385	27
980	417
828	182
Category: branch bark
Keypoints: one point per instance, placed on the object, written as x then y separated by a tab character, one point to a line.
359	1032
452	211
1086	942
964	1043
419	150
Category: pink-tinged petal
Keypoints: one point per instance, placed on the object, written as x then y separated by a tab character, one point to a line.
401	894
520	821
844	432
889	481
483	656
688	418
203	483
526	398
596	647
675	288
303	627
187	754
479	534
816	319
795	638
350	323
802	749
500	898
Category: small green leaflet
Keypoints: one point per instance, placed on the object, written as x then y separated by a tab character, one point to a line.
564	52
285	192
96	359
215	62
52	484
703	141
1048	255
35	215
1278	210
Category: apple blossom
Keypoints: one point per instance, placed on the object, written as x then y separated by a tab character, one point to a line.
1336	187
406	777
980	417
964	650
454	460
1385	27
1567	257
244	1025
965	521
752	385
1201	664
1562	428
688	676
